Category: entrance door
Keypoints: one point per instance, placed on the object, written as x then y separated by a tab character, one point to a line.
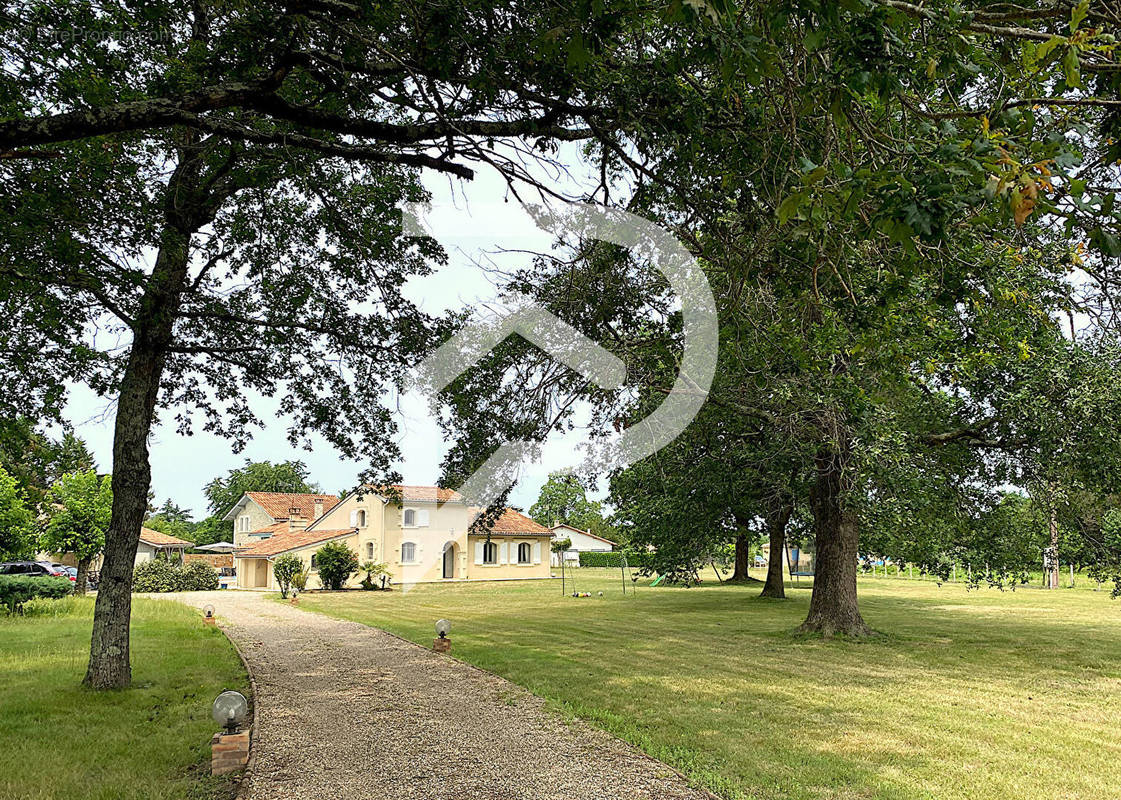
449	561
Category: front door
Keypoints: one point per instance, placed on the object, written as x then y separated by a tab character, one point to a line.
449	561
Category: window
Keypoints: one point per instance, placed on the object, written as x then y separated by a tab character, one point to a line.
409	518
408	552
314	565
243	524
369	551
361	518
523	553
490	553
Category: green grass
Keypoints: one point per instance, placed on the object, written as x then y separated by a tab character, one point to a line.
150	742
967	694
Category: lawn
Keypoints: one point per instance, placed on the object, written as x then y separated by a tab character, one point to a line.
150	742
967	694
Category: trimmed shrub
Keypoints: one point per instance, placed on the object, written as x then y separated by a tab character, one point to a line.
157	575
15	590
285	569
614	558
336	563
161	575
199	576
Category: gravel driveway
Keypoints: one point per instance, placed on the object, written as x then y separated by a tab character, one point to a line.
345	710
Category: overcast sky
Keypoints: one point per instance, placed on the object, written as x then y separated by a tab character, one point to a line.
483	221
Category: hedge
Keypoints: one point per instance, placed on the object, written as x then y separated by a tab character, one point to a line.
161	575
15	590
613	559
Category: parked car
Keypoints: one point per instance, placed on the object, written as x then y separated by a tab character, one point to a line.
91	577
44	569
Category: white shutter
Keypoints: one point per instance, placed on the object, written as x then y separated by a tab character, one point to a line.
537	552
418	558
422	518
354	518
478	552
502	548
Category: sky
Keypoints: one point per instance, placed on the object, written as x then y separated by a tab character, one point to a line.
476	222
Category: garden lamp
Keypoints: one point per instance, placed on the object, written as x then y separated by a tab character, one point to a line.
443	628
229	710
208	611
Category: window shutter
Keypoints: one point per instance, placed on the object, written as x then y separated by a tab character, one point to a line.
422	518
502	548
354	518
478	552
418	558
537	552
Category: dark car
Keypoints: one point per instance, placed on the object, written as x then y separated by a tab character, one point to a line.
32	569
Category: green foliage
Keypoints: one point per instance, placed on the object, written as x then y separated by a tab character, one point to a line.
373	571
198	576
614	559
15	590
162	575
284	569
299	579
257	476
81	504
157	575
563	500
16	531
37	461
336	563
560	545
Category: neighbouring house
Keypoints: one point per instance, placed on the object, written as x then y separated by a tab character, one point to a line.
421	533
152	544
582	542
258	515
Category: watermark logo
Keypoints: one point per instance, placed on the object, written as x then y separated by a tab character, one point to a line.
646	242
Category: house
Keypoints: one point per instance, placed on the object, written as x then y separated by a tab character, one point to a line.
153	544
421	533
582	542
258	515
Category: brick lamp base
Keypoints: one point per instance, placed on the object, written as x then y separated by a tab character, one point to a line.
443	645
229	752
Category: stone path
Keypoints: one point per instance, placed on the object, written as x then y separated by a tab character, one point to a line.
348	711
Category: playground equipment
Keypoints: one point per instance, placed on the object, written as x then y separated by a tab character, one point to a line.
798	566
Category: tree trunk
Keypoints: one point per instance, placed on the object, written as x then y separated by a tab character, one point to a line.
81	582
778	516
1052	577
833	605
743	557
185	212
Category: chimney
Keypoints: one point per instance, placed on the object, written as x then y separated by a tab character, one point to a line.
295	521
318	508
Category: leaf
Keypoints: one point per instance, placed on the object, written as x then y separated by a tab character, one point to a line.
1070	68
789	207
1077	14
1044	50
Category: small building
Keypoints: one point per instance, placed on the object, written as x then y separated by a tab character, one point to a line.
582	542
153	544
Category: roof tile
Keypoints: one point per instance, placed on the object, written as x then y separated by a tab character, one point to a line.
293	540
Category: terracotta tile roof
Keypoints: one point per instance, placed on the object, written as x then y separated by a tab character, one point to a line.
283	542
420	494
276	504
157	539
513	522
276	527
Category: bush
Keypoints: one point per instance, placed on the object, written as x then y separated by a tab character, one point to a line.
336	563
614	559
161	575
285	569
199	576
299	579
15	590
